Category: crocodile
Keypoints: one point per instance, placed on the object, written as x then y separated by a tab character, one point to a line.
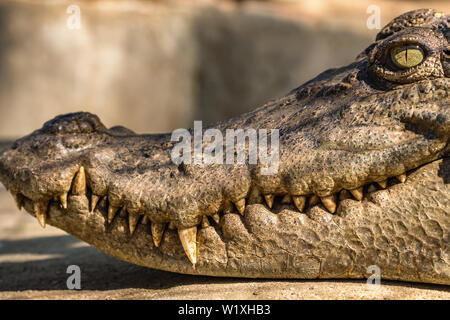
362	178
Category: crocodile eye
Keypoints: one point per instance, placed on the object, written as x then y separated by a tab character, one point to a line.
408	56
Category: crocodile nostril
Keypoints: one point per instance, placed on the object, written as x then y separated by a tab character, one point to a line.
80	122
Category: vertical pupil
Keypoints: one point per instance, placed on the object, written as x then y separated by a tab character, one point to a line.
406	54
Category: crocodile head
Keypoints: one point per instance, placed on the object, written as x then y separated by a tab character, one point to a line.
362	177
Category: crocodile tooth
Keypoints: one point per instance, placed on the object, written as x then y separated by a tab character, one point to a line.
269	200
313	200
329	203
371	188
18	200
133	219
240	205
112	213
157	232
63	200
79	183
382	184
216	218
40	210
401	177
188	238
172	225
357	193
299	202
94	200
287	199
205	222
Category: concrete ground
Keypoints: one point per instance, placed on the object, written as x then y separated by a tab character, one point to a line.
33	264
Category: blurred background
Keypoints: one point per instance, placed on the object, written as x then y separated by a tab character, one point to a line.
155	66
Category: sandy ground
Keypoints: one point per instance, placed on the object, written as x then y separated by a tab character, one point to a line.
33	264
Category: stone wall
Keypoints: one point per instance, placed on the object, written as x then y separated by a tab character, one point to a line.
154	66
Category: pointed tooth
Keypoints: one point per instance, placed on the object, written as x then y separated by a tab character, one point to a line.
18	200
157	232
112	213
357	193
371	188
382	184
133	219
287	199
63	200
40	210
329	203
401	177
269	200
94	201
79	183
205	222
240	206
313	200
172	225
188	238
299	202
216	218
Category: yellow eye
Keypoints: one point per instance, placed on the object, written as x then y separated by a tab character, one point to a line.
407	56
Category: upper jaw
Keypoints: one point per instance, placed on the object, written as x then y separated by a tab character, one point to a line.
381	230
100	164
351	150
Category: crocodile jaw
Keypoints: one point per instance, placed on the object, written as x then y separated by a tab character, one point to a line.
403	229
59	174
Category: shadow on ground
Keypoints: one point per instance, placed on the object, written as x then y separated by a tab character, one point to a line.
102	272
99	271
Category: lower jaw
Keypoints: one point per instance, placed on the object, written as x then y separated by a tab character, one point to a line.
404	230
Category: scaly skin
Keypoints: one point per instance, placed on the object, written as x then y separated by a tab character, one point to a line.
333	208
